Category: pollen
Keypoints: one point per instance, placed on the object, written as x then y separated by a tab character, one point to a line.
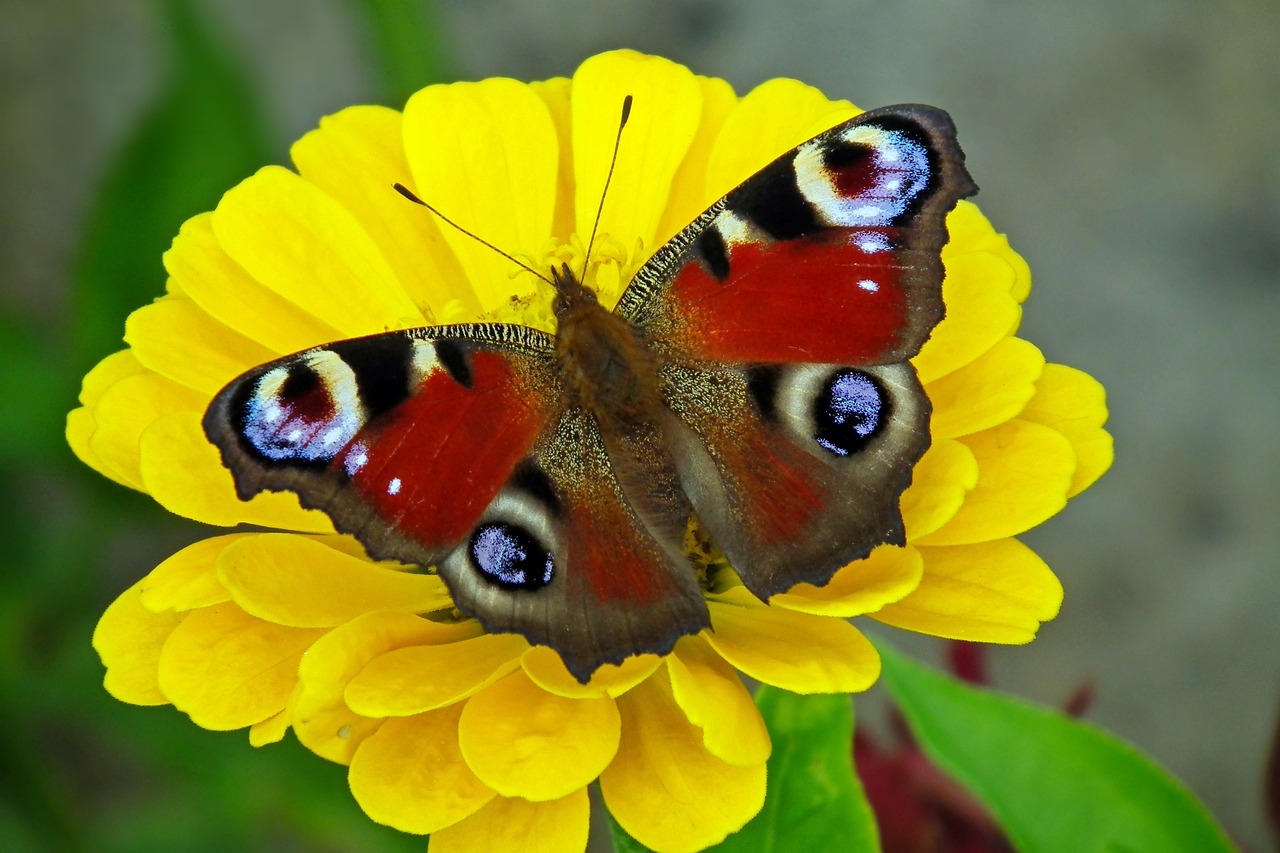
609	269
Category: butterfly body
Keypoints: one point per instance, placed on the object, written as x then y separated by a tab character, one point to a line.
754	375
605	363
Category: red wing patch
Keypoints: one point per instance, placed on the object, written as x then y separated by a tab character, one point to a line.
431	465
619	562
819	299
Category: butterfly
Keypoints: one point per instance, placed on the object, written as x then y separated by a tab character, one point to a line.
753	375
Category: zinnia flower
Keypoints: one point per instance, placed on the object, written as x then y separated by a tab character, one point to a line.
483	739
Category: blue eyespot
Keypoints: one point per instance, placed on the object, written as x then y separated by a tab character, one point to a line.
850	411
510	557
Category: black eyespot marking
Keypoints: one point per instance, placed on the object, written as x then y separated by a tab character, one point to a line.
454	360
714	252
840	157
533	481
510	557
381	366
775	202
762	384
300	383
851	410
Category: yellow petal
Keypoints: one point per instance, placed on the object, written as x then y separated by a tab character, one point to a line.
794	651
293	580
970	231
126	410
770	120
665	113
211	279
987	391
664	787
939	482
228	670
690	194
273	728
711	695
556	94
80	429
308	248
1024	470
355	157
410	774
981	311
993	592
485	154
863	586
184	473
109	371
504	825
423	677
129	638
188	579
522	741
1075	404
323	722
82	423
179	340
544	666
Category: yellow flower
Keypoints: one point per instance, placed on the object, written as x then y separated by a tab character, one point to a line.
483	739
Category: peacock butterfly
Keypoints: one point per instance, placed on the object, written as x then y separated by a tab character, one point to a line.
754	374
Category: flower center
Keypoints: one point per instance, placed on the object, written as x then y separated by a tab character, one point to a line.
608	271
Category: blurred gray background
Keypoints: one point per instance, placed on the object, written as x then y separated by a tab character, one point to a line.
1129	150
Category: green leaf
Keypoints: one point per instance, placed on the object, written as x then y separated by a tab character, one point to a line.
198	140
405	45
1052	782
815	802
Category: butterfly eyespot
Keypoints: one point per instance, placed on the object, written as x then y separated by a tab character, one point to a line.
511	557
850	411
304	412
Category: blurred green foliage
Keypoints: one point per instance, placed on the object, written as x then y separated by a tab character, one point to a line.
405	46
202	136
79	770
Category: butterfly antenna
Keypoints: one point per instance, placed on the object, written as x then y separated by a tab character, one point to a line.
613	161
407	193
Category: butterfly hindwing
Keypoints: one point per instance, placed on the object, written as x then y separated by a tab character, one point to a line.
602	574
795	470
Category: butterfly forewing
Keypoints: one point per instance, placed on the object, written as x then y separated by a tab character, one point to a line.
830	254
